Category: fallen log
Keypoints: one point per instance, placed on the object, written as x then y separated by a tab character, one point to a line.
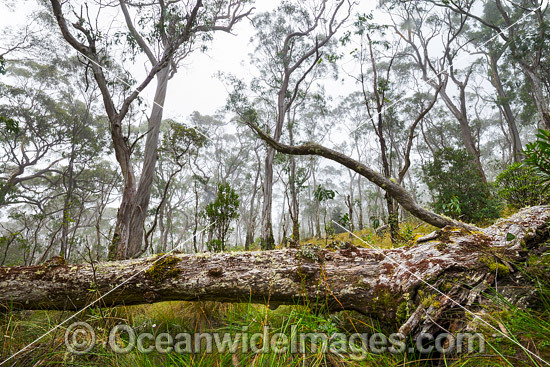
389	284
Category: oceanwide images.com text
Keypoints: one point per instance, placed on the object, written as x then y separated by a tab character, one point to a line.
80	338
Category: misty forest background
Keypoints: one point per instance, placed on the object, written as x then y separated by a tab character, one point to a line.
440	97
400	117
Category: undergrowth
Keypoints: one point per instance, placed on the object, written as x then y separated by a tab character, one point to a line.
409	231
531	328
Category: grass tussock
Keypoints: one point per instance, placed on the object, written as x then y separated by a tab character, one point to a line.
368	238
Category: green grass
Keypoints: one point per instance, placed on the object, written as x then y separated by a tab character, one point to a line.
529	327
409	231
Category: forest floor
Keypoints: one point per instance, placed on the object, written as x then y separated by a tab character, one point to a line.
528	327
409	231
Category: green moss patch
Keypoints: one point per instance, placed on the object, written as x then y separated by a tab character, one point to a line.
163	269
493	265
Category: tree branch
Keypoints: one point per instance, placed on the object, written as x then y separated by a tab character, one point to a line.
395	190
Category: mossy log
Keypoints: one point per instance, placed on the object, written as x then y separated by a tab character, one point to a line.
388	284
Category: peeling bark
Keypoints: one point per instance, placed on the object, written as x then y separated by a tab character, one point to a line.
383	283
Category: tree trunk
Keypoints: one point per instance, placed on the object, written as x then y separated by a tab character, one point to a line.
293	204
128	232
252	215
538	95
393	215
283	222
143	194
317	205
68	181
465	131
531	62
350	202
504	105
267	241
382	283
195	216
360	204
393	218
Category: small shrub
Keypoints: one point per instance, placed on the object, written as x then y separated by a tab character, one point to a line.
220	214
215	245
458	188
537	155
520	186
407	234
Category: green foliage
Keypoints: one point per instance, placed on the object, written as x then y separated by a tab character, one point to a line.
330	230
344	221
250	115
457	187
215	245
510	237
452	208
375	222
407	234
7	192
520	186
220	213
537	155
322	194
10	125
181	139
11	244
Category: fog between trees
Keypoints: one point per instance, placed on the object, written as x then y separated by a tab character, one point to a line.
432	99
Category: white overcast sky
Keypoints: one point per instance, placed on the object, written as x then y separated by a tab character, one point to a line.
195	88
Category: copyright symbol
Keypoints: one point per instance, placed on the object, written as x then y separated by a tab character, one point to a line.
79	337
